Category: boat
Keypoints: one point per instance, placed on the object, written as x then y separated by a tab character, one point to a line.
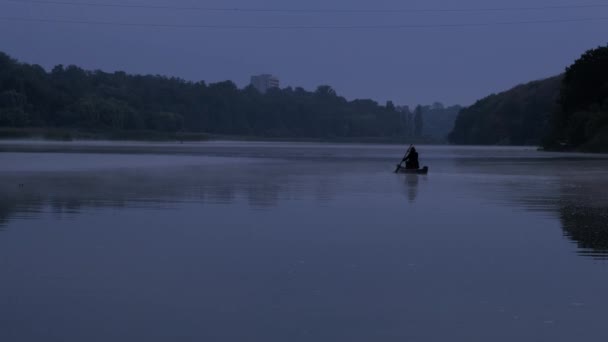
422	171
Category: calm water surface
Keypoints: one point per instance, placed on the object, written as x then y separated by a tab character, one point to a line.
300	242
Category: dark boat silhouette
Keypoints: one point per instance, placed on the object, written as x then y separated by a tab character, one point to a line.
422	171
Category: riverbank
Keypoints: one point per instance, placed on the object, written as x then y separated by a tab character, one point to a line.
61	134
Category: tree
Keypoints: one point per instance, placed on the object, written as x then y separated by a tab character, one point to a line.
582	118
518	116
325	90
437	106
418	122
13	109
165	121
74	98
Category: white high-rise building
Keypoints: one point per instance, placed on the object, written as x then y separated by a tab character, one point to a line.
264	82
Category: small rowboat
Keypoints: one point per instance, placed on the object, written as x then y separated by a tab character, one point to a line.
422	171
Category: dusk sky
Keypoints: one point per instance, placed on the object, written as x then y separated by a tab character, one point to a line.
409	65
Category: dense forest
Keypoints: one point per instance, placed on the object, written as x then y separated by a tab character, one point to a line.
566	112
429	123
519	116
581	119
438	120
76	100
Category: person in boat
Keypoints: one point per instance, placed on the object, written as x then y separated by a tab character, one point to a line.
411	160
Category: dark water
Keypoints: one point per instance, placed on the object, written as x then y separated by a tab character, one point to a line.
300	242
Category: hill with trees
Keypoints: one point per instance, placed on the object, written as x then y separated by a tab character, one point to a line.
78	100
566	112
581	119
519	116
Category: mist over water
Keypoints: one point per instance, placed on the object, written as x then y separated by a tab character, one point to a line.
241	241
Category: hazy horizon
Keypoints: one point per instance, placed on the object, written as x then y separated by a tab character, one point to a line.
452	64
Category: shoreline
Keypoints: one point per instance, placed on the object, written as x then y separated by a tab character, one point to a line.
66	135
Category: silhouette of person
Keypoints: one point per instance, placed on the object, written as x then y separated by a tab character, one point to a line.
411	160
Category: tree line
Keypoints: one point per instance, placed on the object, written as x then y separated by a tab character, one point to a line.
581	119
519	116
565	112
73	98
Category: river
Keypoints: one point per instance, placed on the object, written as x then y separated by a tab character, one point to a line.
252	241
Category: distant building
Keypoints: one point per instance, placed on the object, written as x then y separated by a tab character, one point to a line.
264	82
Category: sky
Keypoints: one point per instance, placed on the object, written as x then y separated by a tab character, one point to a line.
452	51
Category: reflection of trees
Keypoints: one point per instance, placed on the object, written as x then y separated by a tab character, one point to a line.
576	190
582	208
6	210
583	211
263	195
587	226
262	186
583	214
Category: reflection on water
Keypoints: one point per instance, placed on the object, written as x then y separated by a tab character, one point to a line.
300	242
588	227
265	173
411	185
260	184
573	187
583	211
